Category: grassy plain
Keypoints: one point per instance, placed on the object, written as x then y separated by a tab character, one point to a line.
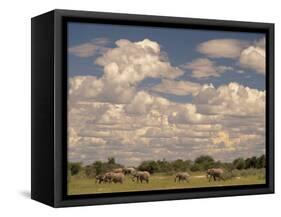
81	185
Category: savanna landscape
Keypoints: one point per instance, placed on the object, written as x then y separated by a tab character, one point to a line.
164	175
163	108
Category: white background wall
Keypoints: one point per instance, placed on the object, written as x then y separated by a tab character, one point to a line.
15	106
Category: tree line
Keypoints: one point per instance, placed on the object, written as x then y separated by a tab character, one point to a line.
201	163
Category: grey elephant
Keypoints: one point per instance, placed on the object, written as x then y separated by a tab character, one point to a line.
108	177
118	178
100	179
215	173
180	177
141	176
129	171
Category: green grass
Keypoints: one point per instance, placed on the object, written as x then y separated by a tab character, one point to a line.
78	185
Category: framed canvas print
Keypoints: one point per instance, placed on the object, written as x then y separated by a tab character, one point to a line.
133	108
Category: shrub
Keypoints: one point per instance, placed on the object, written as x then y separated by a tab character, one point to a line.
239	163
75	168
90	171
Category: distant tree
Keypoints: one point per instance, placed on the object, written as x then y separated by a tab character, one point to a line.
150	166
219	164
196	167
261	162
254	162
98	167
247	163
251	162
239	163
204	159
205	162
163	166
188	163
180	165
90	171
75	168
227	166
111	160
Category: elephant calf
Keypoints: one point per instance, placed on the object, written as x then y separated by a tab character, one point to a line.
182	177
141	176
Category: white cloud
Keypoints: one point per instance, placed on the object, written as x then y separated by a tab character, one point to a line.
253	58
204	68
188	114
180	88
227	48
141	103
110	116
227	119
124	67
231	99
223	137
96	46
250	55
131	62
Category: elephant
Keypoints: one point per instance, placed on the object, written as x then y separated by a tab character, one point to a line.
118	178
129	171
182	177
118	170
141	176
108	177
215	173
100	179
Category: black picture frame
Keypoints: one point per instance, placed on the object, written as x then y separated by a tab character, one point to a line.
49	108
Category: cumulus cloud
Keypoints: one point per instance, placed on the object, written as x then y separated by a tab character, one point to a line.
131	62
204	68
250	55
253	58
227	48
124	67
223	138
231	99
111	116
96	46
180	88
222	120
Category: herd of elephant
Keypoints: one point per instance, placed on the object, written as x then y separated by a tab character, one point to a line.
118	176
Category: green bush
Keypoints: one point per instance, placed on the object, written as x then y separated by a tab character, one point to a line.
75	168
90	171
239	163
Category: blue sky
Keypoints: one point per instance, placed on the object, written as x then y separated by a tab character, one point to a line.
179	44
138	92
